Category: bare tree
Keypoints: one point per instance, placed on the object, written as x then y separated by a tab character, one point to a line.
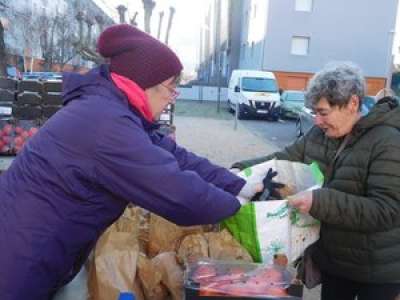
148	11
66	38
133	19
100	22
24	30
80	17
160	24
56	38
3	52
46	39
3	56
171	17
84	48
30	32
89	23
122	12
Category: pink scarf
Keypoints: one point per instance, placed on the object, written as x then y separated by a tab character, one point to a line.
135	94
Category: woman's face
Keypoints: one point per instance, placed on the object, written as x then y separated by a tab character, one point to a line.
161	95
336	121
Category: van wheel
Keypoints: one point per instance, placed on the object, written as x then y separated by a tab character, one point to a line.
275	118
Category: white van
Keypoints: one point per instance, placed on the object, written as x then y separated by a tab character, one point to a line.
256	93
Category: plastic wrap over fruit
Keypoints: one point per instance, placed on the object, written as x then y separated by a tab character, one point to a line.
237	279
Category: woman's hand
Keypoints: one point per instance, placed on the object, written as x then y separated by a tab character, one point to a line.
302	201
249	190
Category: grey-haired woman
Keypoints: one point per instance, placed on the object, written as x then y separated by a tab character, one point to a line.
359	205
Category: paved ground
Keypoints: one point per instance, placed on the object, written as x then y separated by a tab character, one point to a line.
201	129
276	134
214	136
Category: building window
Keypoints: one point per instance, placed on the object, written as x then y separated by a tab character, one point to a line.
304	5
300	45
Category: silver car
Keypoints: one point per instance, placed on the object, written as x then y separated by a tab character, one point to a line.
292	102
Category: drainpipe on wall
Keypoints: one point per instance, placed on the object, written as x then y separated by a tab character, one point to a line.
391	34
218	52
265	36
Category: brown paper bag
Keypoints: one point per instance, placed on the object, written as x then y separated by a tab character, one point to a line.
150	278
222	245
137	289
113	268
165	236
137	221
192	248
172	273
129	221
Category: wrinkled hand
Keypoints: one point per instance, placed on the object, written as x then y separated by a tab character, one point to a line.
302	201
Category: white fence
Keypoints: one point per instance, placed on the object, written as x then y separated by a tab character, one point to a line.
206	93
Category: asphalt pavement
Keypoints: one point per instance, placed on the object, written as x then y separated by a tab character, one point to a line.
276	134
280	133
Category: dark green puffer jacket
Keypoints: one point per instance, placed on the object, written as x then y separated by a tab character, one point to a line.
359	206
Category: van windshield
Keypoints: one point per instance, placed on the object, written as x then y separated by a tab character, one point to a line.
257	84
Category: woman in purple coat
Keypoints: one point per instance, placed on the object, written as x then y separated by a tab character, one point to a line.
96	155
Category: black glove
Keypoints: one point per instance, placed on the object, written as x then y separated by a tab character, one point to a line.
270	188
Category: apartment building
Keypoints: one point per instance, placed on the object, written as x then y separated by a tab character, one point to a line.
296	38
219	41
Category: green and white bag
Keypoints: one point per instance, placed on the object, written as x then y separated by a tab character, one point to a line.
266	228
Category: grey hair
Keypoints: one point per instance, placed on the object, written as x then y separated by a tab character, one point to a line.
336	82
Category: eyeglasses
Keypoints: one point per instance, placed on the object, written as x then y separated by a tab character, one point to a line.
322	113
174	93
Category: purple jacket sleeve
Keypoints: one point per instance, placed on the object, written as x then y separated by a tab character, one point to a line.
216	175
131	167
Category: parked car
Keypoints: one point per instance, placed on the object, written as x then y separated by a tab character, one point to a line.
304	121
368	102
44	76
255	93
13	72
306	116
30	76
292	103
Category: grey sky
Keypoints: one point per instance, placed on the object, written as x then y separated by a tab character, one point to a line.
185	33
184	37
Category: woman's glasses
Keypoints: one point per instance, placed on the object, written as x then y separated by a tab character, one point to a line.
174	93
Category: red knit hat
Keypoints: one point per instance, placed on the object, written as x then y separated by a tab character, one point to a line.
137	55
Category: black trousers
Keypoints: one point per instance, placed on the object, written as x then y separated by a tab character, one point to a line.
336	288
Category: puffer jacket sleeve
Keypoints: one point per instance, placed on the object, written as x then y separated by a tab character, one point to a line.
293	152
129	166
379	210
188	161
